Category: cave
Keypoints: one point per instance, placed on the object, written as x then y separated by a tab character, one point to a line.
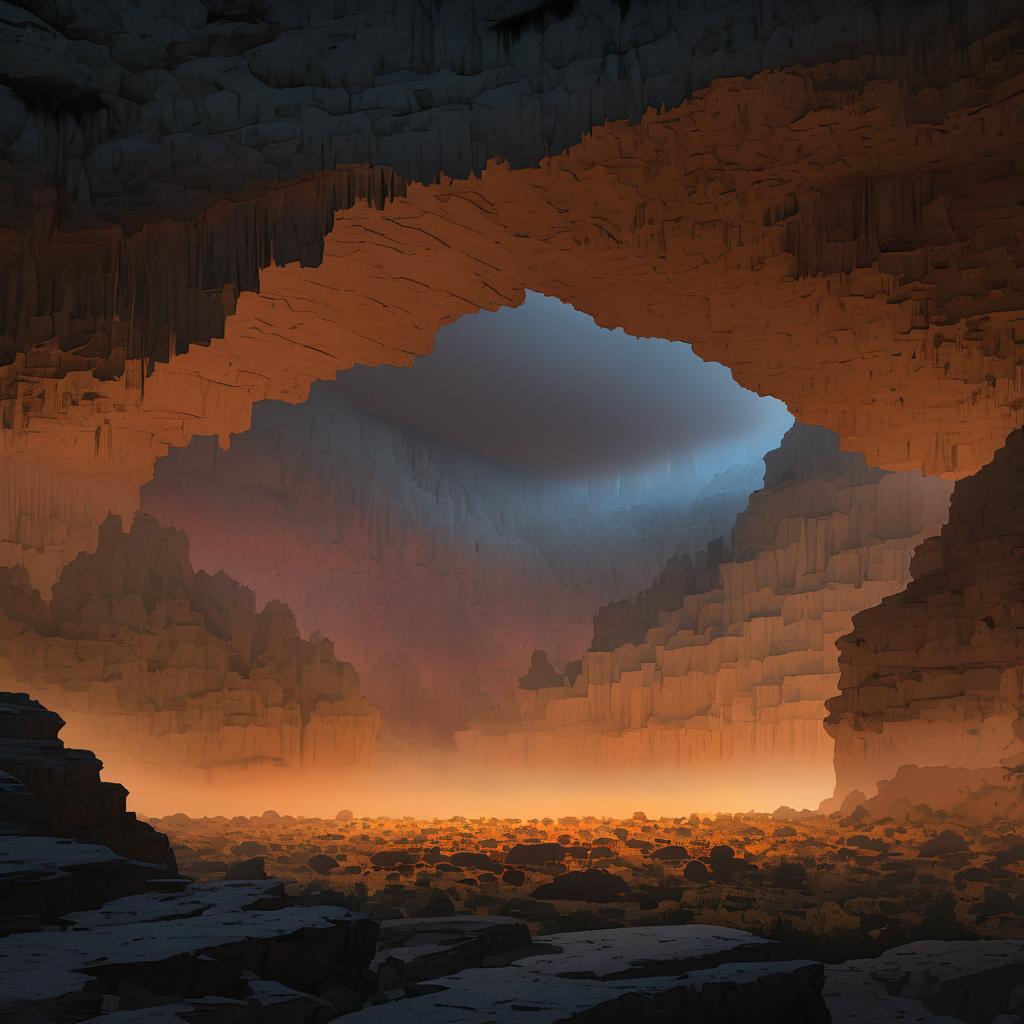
512	510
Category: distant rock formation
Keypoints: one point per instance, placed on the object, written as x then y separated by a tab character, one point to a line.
174	673
542	674
727	688
435	571
981	795
934	674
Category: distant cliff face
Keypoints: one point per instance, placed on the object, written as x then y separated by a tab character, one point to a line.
933	675
435	571
726	690
175	674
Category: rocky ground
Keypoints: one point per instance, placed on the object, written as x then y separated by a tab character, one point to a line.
827	887
485	922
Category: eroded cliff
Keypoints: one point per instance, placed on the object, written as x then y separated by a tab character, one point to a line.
724	697
436	571
176	674
932	675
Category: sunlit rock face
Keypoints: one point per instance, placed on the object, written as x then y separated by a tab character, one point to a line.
725	694
933	675
175	674
827	199
434	570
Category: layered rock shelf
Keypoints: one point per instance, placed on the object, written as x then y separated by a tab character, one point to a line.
175	671
872	279
726	692
932	675
435	571
47	788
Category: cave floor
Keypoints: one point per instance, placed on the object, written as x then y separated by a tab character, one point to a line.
829	888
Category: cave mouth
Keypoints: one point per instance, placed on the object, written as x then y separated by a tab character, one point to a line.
441	522
541	389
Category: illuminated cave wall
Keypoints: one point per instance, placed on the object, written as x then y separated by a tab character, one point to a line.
826	198
933	675
725	695
434	571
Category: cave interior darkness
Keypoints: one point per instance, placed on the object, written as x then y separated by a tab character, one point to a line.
512	511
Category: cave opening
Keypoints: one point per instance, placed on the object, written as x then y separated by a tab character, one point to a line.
445	522
381	502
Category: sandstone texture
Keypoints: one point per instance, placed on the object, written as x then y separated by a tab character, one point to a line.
932	675
827	199
176	674
436	572
725	692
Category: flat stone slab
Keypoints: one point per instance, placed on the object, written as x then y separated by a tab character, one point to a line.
609	953
930	982
44	878
266	1003
639	974
414	950
206	940
747	993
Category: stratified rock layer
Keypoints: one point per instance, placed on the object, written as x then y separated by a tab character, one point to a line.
932	675
175	674
63	794
826	198
434	570
726	692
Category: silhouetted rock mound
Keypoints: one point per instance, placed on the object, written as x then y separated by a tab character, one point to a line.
542	674
246	870
322	863
696	871
590	886
670	854
534	854
946	842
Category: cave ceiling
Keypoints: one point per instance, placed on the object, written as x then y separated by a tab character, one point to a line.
828	202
